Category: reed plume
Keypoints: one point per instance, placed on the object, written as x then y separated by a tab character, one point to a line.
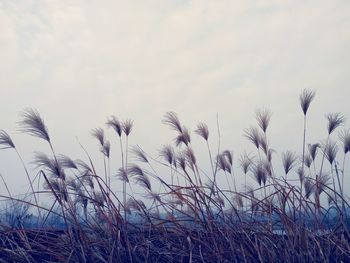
49	164
32	123
167	152
330	150
310	187
253	135
139	154
139	176
5	140
263	117
334	121
66	162
344	137
183	138
202	130
305	98
127	126
114	123
289	160
171	119
259	173
313	150
122	175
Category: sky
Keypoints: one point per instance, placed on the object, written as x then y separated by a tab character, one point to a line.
78	62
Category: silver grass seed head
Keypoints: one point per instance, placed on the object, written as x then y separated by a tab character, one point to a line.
32	123
305	98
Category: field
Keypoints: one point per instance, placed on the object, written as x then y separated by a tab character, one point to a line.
184	216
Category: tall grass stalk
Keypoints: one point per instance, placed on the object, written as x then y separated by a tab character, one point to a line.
191	219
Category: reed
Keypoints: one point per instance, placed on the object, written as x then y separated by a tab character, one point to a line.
192	217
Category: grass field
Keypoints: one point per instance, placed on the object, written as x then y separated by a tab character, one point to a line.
184	216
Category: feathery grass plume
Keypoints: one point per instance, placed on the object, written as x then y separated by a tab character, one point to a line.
181	160
344	137
48	164
334	120
87	179
191	158
301	174
253	135
306	97
167	152
310	187
245	161
139	154
122	175
308	160
289	160
99	134
139	176
269	154
106	148
229	156
32	123
66	162
135	170
127	126
202	130
58	187
184	137
264	145
259	173
115	124
263	117
83	165
330	149
268	168
322	182
5	140
313	150
171	119
223	163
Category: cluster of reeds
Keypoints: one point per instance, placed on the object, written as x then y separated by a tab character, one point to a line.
186	214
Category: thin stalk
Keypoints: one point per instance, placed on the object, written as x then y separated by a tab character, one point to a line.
124	182
30	182
343	172
317	197
302	165
105	168
211	158
304	144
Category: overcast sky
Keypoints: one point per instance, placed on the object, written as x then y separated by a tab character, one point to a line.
78	62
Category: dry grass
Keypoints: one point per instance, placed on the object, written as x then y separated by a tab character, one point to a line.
182	213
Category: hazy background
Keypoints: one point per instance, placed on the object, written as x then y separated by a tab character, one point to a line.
78	62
